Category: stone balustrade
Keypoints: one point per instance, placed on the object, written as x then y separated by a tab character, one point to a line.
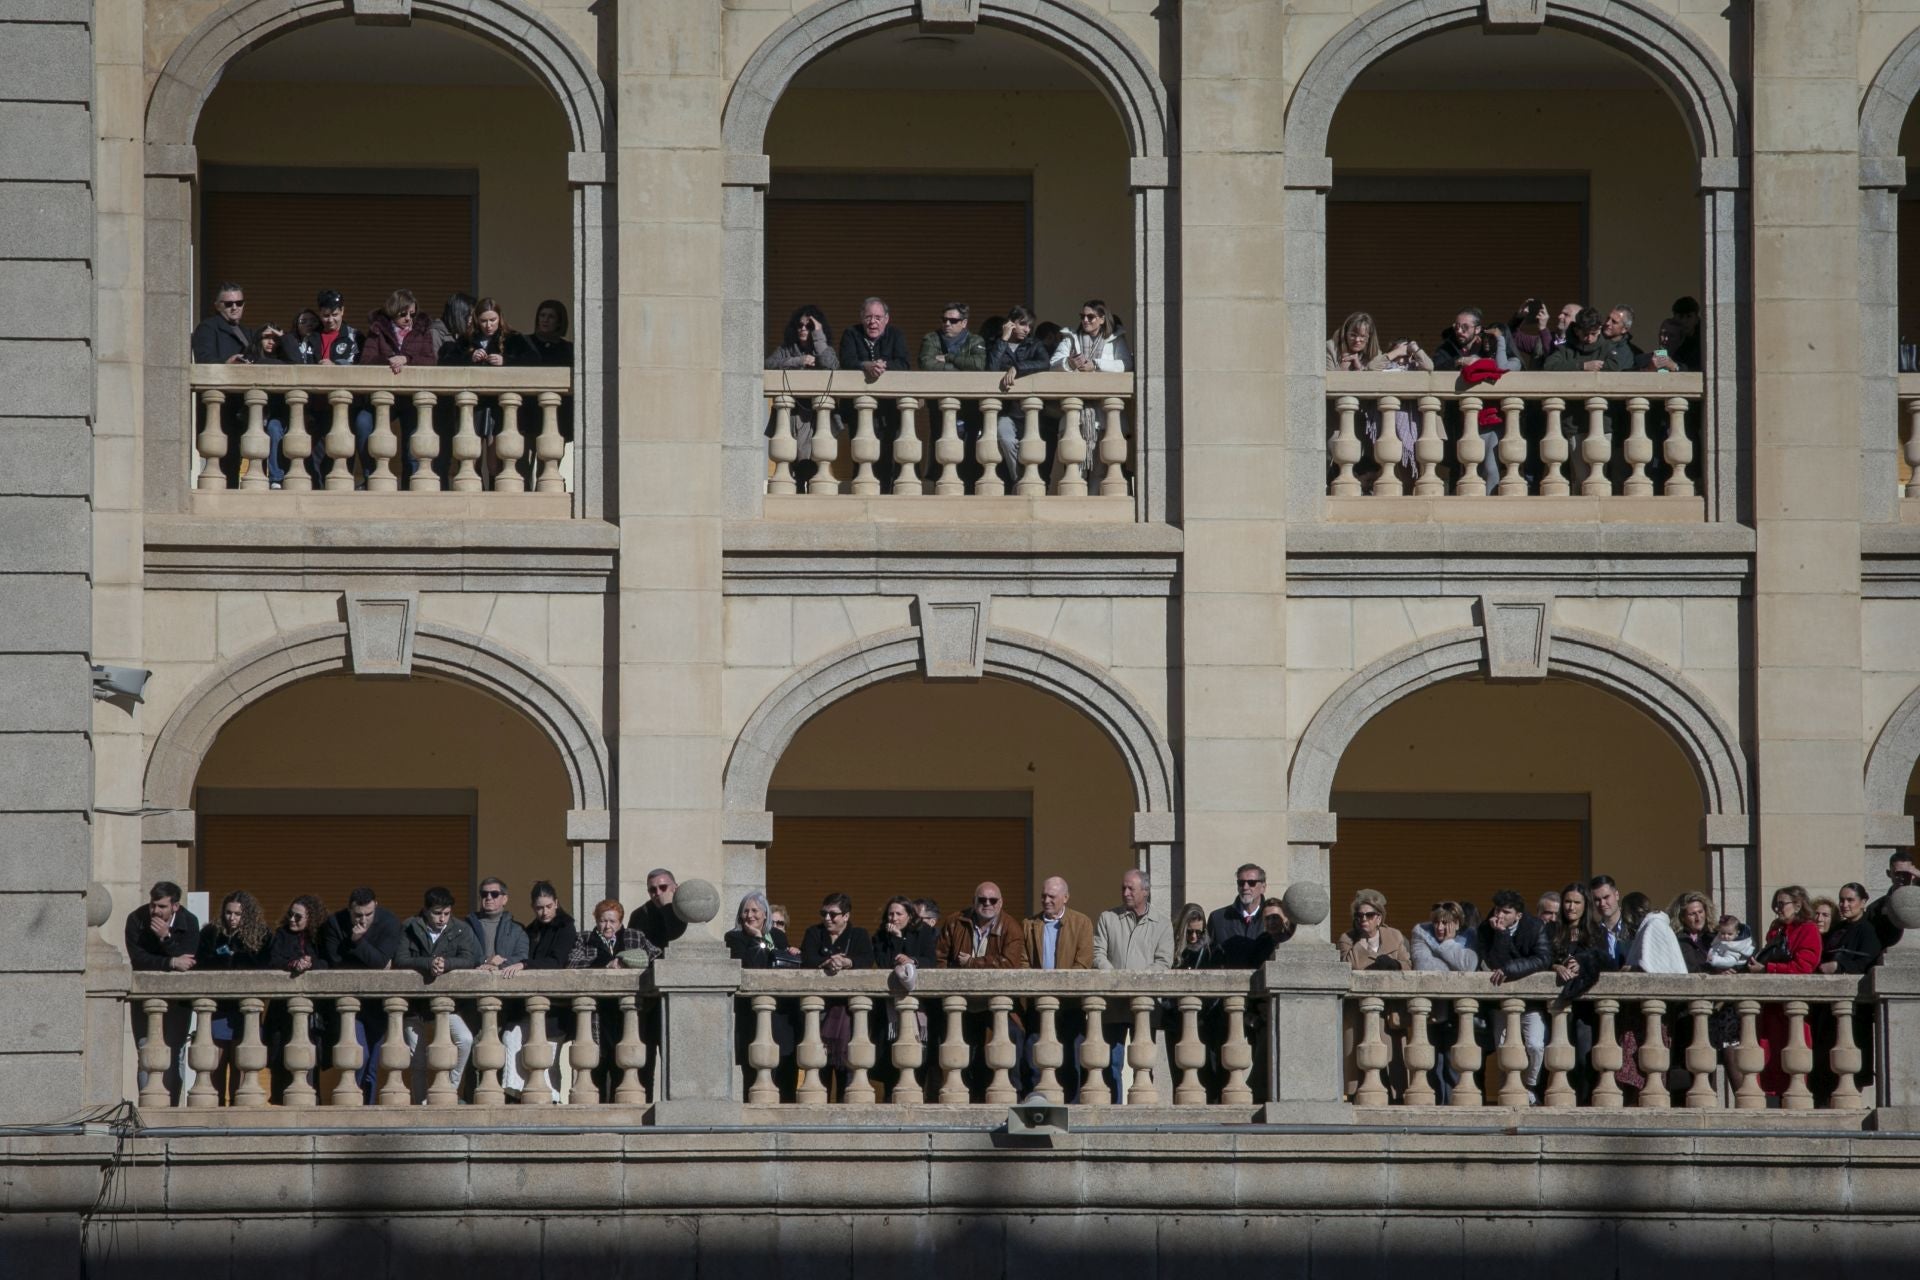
1559	435
1656	1029
318	404
844	414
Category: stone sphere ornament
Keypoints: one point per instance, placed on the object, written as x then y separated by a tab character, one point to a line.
696	901
1307	902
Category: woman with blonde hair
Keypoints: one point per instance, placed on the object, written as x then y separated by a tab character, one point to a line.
1355	348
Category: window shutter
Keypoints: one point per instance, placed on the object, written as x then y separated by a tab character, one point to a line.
1417	862
277	857
872	859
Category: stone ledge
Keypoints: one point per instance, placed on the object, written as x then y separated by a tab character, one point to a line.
876	537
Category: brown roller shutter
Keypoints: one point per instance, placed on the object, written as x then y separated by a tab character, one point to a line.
872	859
277	857
917	254
1417	862
1493	255
284	248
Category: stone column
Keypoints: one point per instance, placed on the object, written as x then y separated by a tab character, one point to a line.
698	1082
1806	436
1895	983
1305	986
109	979
670	89
1233	481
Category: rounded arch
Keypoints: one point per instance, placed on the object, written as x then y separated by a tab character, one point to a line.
323	650
1661	693
1890	763
1888	99
194	69
1673	55
1012	655
1117	66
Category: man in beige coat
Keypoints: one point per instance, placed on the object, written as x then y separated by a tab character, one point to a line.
1129	937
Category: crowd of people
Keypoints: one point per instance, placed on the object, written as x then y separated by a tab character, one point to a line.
469	332
1580	932
1013	345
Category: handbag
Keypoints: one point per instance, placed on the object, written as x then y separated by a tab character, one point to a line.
1775	952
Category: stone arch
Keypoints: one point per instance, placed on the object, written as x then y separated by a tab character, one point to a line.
1884	107
1890	762
323	650
1677	60
1124	75
1888	98
1661	693
1012	655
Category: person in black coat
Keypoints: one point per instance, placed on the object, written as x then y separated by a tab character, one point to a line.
163	936
239	938
756	944
1515	945
902	938
1015	352
1901	872
834	946
876	346
656	917
364	936
552	933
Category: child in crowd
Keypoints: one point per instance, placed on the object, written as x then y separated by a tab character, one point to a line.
1732	946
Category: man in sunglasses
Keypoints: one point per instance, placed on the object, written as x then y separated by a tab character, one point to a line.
981	937
1901	872
1237	928
221	338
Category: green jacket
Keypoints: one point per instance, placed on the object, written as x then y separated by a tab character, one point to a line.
456	945
970	358
1618	357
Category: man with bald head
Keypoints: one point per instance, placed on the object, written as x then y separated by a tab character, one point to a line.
1058	937
981	937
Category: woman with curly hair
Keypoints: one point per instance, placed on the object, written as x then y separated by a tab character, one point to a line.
238	938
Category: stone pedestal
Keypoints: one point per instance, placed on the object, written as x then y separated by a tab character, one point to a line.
698	1081
1303	987
1896	983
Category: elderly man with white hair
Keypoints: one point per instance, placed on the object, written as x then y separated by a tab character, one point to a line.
1129	937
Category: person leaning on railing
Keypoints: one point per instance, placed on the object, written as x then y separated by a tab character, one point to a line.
1097	346
1792	947
486	343
876	346
806	343
756	944
1015	353
834	946
365	935
331	342
397	338
1128	937
1585	350
601	946
434	943
239	938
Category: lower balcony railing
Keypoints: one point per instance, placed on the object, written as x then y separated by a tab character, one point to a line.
340	428
1909	479
1545	435
908	434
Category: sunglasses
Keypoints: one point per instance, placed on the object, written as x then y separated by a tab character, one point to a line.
1248	883
952	319
1089	315
831	914
493	893
658	888
988	902
234	302
1369	915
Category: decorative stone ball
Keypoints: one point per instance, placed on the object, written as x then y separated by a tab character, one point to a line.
1306	902
99	904
696	901
1904	906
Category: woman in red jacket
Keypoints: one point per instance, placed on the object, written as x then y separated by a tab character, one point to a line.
1792	946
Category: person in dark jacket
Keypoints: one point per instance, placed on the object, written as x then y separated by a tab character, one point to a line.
657	918
1901	872
1693	919
434	943
1192	948
1586	351
1017	353
332	341
1851	946
485	343
875	346
269	348
549	345
238	938
294	950
503	944
902	938
551	936
222	339
834	946
363	936
1514	945
756	944
601	946
806	343
953	348
1237	927
162	937
397	338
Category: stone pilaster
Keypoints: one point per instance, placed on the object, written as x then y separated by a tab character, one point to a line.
1807	440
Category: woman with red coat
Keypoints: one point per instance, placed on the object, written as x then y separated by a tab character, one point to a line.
397	338
1792	946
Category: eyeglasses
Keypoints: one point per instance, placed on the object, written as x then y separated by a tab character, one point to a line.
658	888
233	302
953	319
493	893
1244	884
830	914
988	902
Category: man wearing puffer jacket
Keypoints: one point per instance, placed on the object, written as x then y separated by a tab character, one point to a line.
1513	945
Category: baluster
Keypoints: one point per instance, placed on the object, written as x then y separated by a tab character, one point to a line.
339	443
1596	450
395	1058
382	446
1419	1053
424	443
156	1056
299	1055
1071	452
297	444
254	442
986	450
212	444
466	446
1189	1055
630	1056
1554	451
1913	448
1844	1058
585	1054
443	1090
549	447
1511	1056
1387	450
1654	1057
1471	451
1607	1055
1512	450
489	1056
860	1052
906	451
1143	1092
203	1055
1093	1055
908	1052
1033	450
1371	1055
949	450
1701	1056
953	1052
249	1056
1637	449
1236	1055
348	1056
1796	1059
763	1055
866	447
1047	1051
1678	450
509	446
1000	1055
1749	1058
1465	1054
537	1054
811	1054
1113	447
1558	1061
1345	448
782	448
1430	450
826	447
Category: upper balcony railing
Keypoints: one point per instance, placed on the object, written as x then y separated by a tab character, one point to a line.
1624	442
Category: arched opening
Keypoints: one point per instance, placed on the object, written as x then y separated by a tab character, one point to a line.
400	785
928	788
1466	786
